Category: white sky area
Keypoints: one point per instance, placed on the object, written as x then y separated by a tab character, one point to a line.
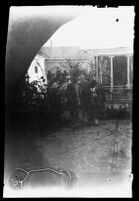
97	28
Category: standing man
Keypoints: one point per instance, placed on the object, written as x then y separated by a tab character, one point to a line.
73	99
87	100
100	100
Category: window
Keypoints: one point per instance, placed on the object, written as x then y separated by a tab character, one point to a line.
120	70
36	69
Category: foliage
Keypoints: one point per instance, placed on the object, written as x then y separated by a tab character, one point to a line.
104	64
31	94
51	98
35	96
80	70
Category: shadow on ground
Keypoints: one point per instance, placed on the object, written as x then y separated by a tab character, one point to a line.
33	142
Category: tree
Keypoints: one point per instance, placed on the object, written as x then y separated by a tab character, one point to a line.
31	95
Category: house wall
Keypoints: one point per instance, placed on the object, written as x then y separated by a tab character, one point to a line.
39	63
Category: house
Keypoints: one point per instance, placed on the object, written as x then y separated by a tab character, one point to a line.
114	67
120	65
118	61
36	71
56	57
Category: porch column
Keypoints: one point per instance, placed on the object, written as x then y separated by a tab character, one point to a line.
101	72
46	69
96	61
131	72
128	71
111	63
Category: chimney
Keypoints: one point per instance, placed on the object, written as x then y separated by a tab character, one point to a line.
51	43
51	46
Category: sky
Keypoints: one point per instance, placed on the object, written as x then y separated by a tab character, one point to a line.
98	28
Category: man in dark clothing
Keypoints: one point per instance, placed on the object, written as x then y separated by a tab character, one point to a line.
87	100
53	104
100	100
73	99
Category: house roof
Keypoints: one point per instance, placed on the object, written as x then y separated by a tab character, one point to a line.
78	53
113	51
64	52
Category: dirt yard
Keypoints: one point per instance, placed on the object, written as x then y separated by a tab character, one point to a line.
96	154
91	150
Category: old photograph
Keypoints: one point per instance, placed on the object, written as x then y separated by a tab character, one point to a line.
68	102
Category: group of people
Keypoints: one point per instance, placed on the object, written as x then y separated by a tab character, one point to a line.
86	103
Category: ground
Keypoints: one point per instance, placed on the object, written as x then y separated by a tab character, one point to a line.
96	154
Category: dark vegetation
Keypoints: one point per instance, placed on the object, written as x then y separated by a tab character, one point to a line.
45	104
